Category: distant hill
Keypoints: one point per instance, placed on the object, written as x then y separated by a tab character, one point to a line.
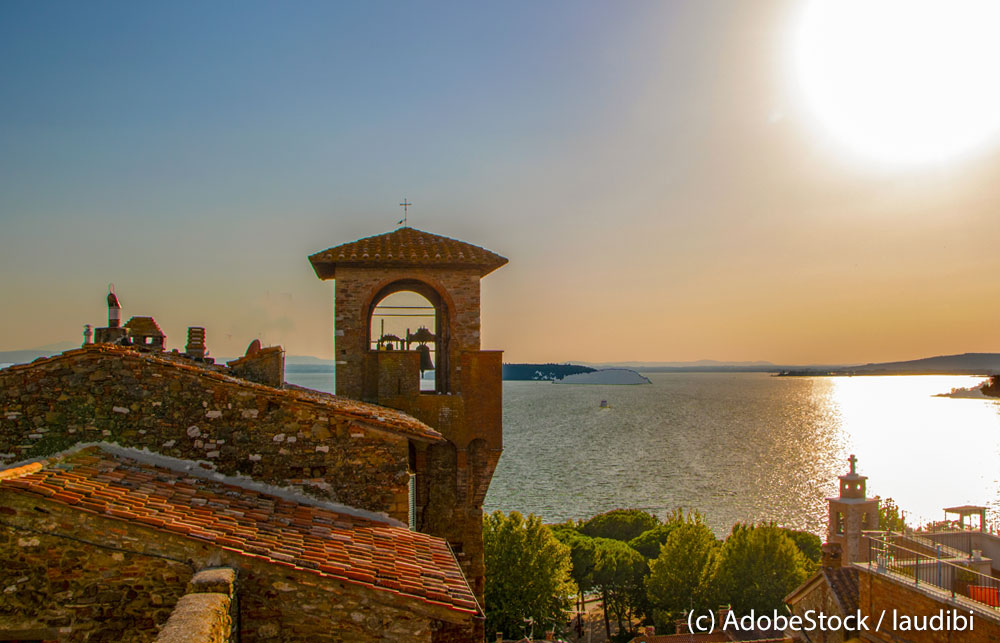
613	376
964	364
701	363
699	366
542	371
30	354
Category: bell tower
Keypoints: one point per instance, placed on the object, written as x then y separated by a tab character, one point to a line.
851	513
463	403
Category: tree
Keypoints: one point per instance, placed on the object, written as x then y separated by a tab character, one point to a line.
758	566
618	576
527	573
583	556
619	524
809	544
890	518
680	577
648	543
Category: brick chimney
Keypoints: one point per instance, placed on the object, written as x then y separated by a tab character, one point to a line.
832	556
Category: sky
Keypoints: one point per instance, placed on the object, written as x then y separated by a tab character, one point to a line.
664	185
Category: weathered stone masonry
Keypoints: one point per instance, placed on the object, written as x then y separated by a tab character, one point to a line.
287	437
80	575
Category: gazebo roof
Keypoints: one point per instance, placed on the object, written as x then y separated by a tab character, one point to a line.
407	247
965	509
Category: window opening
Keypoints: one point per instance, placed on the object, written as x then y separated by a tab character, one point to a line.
407	321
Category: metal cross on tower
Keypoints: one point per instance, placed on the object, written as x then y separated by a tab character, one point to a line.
853	460
405	204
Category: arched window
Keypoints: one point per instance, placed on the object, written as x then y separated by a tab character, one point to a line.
410	316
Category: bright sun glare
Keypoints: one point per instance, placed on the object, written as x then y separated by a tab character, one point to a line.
902	81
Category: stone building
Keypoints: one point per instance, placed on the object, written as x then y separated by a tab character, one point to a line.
104	543
452	477
886	586
369	523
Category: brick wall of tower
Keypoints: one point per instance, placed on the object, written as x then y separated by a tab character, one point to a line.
452	479
858	517
355	288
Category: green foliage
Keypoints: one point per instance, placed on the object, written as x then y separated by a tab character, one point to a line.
619	524
618	576
582	552
648	543
527	574
890	518
808	543
680	577
758	566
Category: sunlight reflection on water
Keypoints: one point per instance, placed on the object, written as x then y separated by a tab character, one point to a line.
744	447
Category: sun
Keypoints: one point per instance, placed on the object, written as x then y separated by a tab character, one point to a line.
902	82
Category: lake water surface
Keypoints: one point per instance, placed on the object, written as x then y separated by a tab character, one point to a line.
741	447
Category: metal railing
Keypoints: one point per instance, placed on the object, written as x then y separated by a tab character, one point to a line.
887	556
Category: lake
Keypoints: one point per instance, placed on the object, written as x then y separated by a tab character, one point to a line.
741	447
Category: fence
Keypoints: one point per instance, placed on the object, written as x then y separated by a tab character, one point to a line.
887	556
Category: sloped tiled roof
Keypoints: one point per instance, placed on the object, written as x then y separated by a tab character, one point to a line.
406	247
344	545
145	326
844	584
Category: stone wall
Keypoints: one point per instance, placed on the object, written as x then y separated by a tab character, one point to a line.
265	366
276	436
62	577
820	600
276	602
879	593
207	612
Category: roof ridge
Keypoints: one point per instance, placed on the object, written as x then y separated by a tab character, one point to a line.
17	472
381	416
194	469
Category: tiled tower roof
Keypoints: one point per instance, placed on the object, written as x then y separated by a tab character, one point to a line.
406	247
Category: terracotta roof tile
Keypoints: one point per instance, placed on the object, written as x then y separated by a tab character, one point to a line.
406	247
844	583
319	540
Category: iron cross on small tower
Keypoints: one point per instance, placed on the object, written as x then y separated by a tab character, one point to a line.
405	204
853	460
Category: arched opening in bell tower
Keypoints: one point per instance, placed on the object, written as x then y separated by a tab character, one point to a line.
410	315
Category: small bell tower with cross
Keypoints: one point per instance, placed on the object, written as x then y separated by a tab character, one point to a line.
851	514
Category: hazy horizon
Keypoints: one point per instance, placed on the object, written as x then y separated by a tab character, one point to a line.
664	177
56	347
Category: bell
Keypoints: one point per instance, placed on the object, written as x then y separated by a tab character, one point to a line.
425	358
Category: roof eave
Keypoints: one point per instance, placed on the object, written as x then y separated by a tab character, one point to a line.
326	269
